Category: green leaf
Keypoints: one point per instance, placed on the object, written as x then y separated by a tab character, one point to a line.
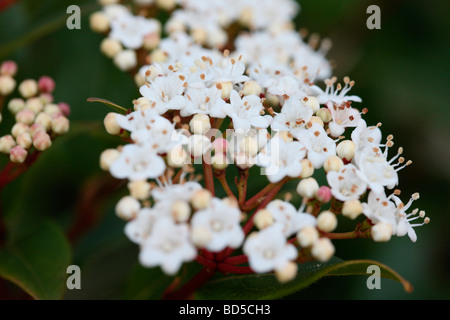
114	106
38	262
266	286
146	283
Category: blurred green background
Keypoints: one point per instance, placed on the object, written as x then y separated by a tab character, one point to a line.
401	73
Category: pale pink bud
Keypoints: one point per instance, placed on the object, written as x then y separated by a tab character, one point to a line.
8	68
46	84
36	127
60	125
7	143
28	88
46	97
65	108
220	145
18	154
24	140
324	194
26	116
41	140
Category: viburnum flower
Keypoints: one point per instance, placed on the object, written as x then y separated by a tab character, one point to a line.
218	104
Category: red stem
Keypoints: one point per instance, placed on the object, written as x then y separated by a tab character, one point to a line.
254	201
208	176
186	291
240	259
228	268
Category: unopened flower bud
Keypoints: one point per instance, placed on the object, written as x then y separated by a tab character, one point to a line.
7	143
317	120
249	146
64	108
307	168
285	135
333	163
125	59
200	199
15	105
60	125
25	116
151	41
180	211
200	124
7	85
287	273
8	68
220	145
326	221
110	47
226	88
127	208
307	236
199	35
323	249
198	145
28	88
324	114
158	56
46	84
18	154
352	208
45	120
111	125
52	109
177	157
34	104
19	128
251	88
99	22
346	149
107	157
273	100
324	194
41	141
35	127
200	236
138	189
25	140
307	188
263	218
167	5
312	102
219	161
381	232
46	98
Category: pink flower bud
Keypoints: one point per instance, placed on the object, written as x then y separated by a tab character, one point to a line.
65	108
36	127
46	84
26	116
324	194
220	145
46	97
18	154
41	140
8	68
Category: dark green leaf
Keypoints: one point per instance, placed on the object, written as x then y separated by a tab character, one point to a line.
38	262
266	286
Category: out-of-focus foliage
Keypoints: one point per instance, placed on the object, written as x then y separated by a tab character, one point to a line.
401	73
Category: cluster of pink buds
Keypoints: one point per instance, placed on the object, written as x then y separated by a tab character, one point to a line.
38	120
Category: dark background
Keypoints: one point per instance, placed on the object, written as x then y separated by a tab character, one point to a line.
401	73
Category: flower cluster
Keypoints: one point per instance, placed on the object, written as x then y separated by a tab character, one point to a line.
272	105
38	120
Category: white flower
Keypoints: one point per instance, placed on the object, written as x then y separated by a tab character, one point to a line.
346	183
338	95
169	193
343	116
366	137
287	216
204	101
137	163
167	246
280	159
319	145
166	92
293	116
221	220
138	229
379	209
246	112
230	70
268	250
130	30
375	170
404	225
